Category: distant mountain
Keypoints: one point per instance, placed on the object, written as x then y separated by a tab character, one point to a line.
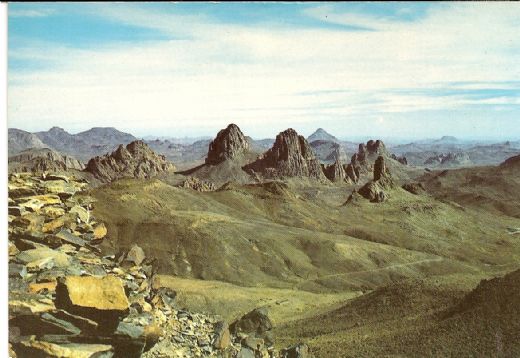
19	140
321	134
42	160
329	152
447	139
87	144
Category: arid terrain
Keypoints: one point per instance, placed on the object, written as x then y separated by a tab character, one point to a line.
325	247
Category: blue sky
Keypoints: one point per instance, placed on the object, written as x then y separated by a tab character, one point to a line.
179	69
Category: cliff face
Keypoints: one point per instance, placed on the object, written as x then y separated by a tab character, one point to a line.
136	160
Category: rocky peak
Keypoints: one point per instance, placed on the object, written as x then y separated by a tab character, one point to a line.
290	156
377	190
335	172
229	143
380	169
136	160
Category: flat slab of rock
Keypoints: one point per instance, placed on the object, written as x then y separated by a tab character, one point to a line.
101	299
72	350
60	259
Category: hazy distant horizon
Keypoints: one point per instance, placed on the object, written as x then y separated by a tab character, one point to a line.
402	70
353	138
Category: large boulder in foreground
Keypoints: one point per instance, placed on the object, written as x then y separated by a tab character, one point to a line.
136	160
101	299
229	143
290	156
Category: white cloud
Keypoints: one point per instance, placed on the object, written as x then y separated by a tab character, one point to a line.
30	12
217	73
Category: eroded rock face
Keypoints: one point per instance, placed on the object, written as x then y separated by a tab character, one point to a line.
335	172
229	143
380	169
367	152
290	156
375	190
136	160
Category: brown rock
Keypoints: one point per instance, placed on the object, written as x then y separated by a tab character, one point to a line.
136	160
38	287
34	348
380	169
135	255
229	143
100	231
335	172
103	294
198	185
223	337
290	156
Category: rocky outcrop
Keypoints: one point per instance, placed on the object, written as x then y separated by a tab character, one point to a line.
42	160
368	152
376	190
136	160
335	172
352	172
290	156
448	159
380	169
414	188
401	159
198	184
229	143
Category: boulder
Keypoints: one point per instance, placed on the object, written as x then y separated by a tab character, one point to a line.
222	337
301	350
101	299
256	322
135	256
100	231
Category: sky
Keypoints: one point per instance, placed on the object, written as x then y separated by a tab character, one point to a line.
403	70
